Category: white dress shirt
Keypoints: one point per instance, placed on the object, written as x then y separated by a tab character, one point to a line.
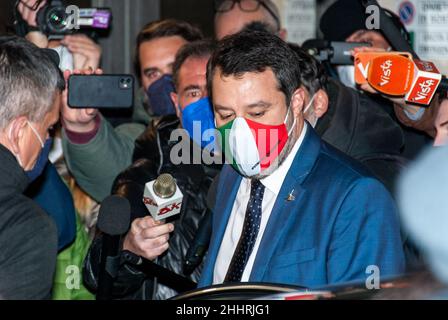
273	184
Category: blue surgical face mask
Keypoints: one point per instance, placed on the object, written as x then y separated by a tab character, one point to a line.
159	96
199	115
42	159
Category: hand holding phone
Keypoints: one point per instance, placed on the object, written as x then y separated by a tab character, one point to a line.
82	119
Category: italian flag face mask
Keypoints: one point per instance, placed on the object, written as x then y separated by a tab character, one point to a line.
252	147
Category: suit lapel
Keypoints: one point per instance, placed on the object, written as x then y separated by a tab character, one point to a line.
285	209
226	195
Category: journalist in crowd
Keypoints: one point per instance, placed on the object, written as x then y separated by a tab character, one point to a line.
155	154
345	20
90	141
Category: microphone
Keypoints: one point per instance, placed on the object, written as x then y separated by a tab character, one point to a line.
113	221
427	79
397	74
162	197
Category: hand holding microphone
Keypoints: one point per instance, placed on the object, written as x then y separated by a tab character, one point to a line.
149	236
396	74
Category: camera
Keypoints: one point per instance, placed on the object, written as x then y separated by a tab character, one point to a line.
55	19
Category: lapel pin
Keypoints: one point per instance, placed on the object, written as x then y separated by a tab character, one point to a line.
291	197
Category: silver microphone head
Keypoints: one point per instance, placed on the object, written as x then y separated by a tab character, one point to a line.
165	186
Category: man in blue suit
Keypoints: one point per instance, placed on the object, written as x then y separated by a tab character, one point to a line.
289	208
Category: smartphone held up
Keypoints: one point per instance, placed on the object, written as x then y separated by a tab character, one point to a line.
101	91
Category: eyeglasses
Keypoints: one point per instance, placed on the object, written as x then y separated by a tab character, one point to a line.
245	6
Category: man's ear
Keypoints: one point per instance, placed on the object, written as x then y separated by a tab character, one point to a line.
297	102
15	132
283	34
175	99
320	103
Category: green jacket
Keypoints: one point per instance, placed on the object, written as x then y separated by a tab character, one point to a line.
96	163
68	283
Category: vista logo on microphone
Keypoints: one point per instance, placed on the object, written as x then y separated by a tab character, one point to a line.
426	80
387	71
391	74
425	89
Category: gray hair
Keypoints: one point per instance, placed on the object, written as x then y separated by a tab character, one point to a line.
29	80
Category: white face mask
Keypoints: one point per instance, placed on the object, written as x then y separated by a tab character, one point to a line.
311	118
244	150
65	58
347	75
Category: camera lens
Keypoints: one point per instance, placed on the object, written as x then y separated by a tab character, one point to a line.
57	19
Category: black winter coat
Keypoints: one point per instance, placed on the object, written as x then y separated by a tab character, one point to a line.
360	127
28	237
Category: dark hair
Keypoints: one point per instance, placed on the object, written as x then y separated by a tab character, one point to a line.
195	49
161	29
259	26
29	79
312	72
255	51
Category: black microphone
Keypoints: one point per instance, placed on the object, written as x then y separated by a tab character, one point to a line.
113	221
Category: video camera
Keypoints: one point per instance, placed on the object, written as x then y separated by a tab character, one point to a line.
56	20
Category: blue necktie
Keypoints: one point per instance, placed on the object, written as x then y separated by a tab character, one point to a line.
249	234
